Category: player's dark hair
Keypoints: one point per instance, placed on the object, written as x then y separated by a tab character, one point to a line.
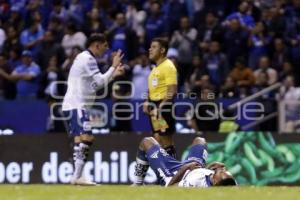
96	37
163	43
227	182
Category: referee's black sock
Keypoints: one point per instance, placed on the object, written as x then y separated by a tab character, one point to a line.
171	151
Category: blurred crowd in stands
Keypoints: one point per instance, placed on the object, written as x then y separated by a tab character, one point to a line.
232	48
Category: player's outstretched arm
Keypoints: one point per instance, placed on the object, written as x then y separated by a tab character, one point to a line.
100	78
177	178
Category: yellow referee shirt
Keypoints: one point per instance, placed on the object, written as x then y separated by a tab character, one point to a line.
160	77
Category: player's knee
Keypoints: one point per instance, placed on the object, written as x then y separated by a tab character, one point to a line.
87	137
147	143
199	140
77	139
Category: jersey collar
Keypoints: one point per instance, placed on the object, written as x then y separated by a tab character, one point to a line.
91	53
164	60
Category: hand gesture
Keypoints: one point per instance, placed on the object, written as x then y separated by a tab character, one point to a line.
117	58
119	71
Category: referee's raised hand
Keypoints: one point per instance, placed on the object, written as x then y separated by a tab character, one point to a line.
117	58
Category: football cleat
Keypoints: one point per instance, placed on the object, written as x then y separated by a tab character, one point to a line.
83	182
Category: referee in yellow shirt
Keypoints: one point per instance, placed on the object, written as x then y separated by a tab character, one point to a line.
162	83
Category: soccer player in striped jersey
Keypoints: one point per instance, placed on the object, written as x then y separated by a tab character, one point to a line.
84	80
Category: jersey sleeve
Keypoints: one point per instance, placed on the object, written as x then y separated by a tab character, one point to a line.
90	65
102	79
170	75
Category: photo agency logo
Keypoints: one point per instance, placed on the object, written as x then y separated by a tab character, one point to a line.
124	107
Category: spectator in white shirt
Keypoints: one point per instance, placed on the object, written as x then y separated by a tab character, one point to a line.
264	66
291	94
2	35
73	38
140	74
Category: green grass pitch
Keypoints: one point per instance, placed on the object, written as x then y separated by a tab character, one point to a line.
116	192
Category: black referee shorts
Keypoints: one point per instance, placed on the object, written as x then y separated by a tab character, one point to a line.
166	113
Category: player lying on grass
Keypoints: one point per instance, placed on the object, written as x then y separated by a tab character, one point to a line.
191	172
